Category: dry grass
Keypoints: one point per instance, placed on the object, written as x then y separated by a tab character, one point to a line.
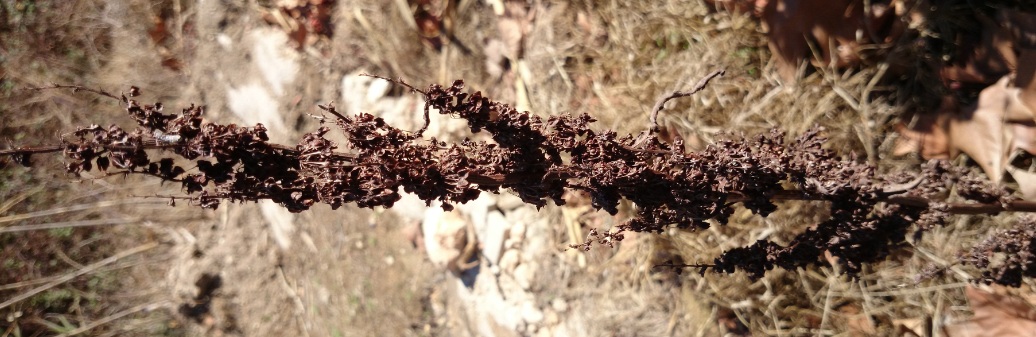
613	60
606	58
66	267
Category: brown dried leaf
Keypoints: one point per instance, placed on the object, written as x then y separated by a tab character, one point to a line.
1025	77
928	136
838	27
997	126
909	327
996	314
1026	181
988	132
981	131
1024	136
858	322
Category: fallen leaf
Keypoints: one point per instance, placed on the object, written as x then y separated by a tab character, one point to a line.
909	326
858	322
997	314
836	29
928	135
1025	77
1026	181
981	130
988	131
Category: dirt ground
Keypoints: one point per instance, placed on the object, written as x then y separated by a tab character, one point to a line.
258	270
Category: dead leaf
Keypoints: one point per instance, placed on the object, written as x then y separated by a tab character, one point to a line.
1025	78
305	21
1026	181
836	29
858	322
987	132
981	131
1024	136
909	327
990	131
928	136
997	314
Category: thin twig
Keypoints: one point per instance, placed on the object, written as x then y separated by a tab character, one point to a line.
330	108
677	94
151	145
134	91
427	105
148	145
670	264
397	81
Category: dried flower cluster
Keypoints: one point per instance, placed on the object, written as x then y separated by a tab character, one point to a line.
538	159
1007	257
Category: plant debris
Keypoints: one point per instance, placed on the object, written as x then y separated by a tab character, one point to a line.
539	159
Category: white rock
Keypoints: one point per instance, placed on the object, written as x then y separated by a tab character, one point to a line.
509	261
512	243
281	222
477	210
537	237
511	290
225	41
410	207
559	305
376	90
517	230
355	89
445	235
531	314
550	317
525	273
508	201
252	103
278	65
493	241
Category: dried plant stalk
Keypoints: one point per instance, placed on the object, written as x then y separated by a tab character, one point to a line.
539	159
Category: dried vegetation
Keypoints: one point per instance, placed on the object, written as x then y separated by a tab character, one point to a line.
822	214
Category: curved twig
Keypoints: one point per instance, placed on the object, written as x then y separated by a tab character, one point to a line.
399	81
660	104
